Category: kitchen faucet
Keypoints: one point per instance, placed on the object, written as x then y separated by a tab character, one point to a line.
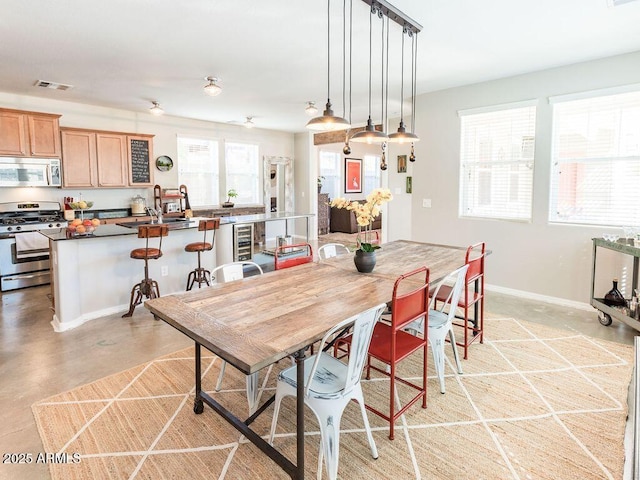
156	213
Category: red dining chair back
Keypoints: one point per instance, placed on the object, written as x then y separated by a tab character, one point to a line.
390	344
472	297
282	261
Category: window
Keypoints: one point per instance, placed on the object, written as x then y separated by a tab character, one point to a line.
198	169
372	177
496	162
243	171
595	174
330	170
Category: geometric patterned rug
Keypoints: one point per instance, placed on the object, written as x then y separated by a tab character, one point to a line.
534	402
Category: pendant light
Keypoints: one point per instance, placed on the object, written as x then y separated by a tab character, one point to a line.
370	134
402	136
328	121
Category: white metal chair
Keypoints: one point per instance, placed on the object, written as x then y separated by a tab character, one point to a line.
330	385
440	322
330	250
228	273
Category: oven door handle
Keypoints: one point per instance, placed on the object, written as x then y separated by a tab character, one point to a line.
21	277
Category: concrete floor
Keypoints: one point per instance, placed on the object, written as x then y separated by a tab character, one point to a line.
36	362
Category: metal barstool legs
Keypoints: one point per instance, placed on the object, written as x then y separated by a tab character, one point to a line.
200	275
146	288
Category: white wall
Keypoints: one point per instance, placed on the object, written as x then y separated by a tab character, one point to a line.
536	257
165	128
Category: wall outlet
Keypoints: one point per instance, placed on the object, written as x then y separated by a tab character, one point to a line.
164	270
426	202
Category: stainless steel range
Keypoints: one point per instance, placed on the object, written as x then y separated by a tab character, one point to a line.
24	253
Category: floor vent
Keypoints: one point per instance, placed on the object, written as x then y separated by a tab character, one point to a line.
52	85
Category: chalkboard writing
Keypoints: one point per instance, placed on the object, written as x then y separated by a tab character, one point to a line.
140	171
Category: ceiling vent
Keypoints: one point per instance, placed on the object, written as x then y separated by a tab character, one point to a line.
52	85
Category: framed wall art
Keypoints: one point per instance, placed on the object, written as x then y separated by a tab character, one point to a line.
402	164
409	188
352	175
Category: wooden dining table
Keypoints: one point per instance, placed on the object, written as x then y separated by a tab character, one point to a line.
255	322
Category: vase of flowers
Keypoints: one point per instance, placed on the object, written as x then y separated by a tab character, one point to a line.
366	213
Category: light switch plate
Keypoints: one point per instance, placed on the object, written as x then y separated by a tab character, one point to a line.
426	202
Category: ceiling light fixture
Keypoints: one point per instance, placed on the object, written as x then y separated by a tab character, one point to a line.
311	109
249	123
212	88
156	109
370	134
402	136
328	121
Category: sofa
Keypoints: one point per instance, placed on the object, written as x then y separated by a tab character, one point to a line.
342	220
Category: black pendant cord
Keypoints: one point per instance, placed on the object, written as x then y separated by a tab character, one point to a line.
414	73
350	53
382	74
344	58
402	80
328	51
370	57
386	93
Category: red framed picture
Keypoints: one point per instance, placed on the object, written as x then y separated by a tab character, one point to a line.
352	175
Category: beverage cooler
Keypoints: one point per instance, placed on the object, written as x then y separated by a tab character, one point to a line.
242	242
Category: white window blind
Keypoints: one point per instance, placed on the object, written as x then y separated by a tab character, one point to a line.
329	163
372	177
198	170
243	171
496	163
595	174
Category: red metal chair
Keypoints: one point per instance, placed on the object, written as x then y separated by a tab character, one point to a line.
473	296
390	344
286	256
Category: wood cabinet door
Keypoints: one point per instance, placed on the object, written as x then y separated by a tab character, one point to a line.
13	139
44	136
112	160
79	167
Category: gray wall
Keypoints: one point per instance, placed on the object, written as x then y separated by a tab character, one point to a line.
536	258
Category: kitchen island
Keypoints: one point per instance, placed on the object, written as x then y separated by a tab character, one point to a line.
92	275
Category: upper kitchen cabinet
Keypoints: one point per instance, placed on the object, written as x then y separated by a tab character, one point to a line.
99	159
29	134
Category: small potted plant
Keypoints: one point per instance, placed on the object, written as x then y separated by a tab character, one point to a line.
230	194
320	179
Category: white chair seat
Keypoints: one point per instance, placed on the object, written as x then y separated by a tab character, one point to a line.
328	381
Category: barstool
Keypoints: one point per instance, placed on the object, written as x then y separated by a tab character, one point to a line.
202	275
147	286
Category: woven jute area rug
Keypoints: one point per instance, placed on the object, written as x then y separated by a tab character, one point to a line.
533	403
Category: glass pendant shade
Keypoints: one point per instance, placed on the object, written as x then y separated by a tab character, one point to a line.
328	122
369	135
402	136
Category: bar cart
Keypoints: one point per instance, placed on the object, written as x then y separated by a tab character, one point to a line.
606	314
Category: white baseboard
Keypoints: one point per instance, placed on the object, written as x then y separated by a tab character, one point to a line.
541	298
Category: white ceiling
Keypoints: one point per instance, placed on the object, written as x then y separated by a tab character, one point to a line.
272	55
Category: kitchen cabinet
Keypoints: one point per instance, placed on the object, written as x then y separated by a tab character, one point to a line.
29	134
98	159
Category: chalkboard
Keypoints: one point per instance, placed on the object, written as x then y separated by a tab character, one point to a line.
140	164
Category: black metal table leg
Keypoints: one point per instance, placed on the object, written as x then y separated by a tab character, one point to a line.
198	404
299	356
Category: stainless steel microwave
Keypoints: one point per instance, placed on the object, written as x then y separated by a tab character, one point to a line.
30	172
